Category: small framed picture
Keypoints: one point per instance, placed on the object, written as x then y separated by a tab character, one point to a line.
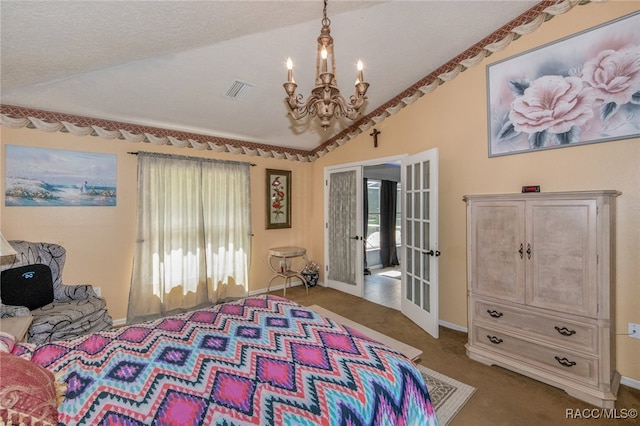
278	199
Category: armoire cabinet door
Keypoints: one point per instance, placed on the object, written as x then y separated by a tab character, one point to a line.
562	260
496	238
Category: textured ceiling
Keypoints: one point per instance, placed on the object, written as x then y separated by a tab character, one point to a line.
167	64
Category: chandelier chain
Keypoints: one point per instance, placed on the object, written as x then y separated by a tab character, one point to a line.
325	20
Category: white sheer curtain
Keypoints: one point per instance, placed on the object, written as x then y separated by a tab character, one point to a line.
194	235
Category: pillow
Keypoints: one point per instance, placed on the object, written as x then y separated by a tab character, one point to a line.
27	392
7	342
30	286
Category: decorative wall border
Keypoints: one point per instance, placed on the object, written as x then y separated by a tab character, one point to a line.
528	22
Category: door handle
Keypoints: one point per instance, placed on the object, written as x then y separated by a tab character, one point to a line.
432	253
356	238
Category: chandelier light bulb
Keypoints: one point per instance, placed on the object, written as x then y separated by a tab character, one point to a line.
324	55
290	70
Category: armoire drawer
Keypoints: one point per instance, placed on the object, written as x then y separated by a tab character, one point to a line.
562	362
567	333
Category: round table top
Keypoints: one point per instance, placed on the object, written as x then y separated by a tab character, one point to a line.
287	251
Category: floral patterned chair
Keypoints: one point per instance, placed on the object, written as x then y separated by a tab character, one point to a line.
59	311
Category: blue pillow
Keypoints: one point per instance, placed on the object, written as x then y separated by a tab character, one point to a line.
30	286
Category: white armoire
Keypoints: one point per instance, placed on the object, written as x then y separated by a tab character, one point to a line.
541	272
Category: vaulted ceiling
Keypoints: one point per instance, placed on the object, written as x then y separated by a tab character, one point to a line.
161	69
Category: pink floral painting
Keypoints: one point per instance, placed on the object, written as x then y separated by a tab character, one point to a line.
582	89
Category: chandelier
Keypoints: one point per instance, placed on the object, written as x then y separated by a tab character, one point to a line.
325	100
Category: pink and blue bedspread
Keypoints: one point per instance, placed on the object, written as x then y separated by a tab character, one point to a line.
257	361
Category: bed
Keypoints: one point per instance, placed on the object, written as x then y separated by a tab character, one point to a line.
261	360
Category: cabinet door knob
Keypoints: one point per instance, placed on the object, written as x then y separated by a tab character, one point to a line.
565	331
521	251
565	361
494	313
495	340
528	251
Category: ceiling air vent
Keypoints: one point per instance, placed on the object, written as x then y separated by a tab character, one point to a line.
239	90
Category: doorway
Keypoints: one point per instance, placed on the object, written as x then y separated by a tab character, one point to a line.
345	233
382	214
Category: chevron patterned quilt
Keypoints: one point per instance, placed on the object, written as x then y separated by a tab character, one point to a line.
258	361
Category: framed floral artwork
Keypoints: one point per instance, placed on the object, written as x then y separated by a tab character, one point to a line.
578	90
278	199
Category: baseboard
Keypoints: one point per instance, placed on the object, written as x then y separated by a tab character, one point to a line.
120	322
632	383
453	326
279	287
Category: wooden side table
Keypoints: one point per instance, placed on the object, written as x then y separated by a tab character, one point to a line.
280	262
16	326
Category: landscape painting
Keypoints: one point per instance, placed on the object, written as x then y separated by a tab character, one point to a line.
53	177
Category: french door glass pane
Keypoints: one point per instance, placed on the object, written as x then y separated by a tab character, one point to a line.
425	201
426	273
426	183
426	302
416	205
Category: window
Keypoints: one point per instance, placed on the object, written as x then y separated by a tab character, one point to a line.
193	240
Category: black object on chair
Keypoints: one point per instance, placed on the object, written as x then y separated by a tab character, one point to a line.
32	285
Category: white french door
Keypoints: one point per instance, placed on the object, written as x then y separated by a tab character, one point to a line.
344	244
419	299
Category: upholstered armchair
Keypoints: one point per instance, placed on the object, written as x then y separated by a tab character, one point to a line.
34	279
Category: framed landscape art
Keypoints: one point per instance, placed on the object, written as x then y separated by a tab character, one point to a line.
55	177
579	90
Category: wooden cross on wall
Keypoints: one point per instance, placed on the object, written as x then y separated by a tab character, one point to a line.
375	134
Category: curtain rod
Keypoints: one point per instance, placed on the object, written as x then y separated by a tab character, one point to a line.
186	157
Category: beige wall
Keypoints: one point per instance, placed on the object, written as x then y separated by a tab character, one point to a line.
453	119
99	240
